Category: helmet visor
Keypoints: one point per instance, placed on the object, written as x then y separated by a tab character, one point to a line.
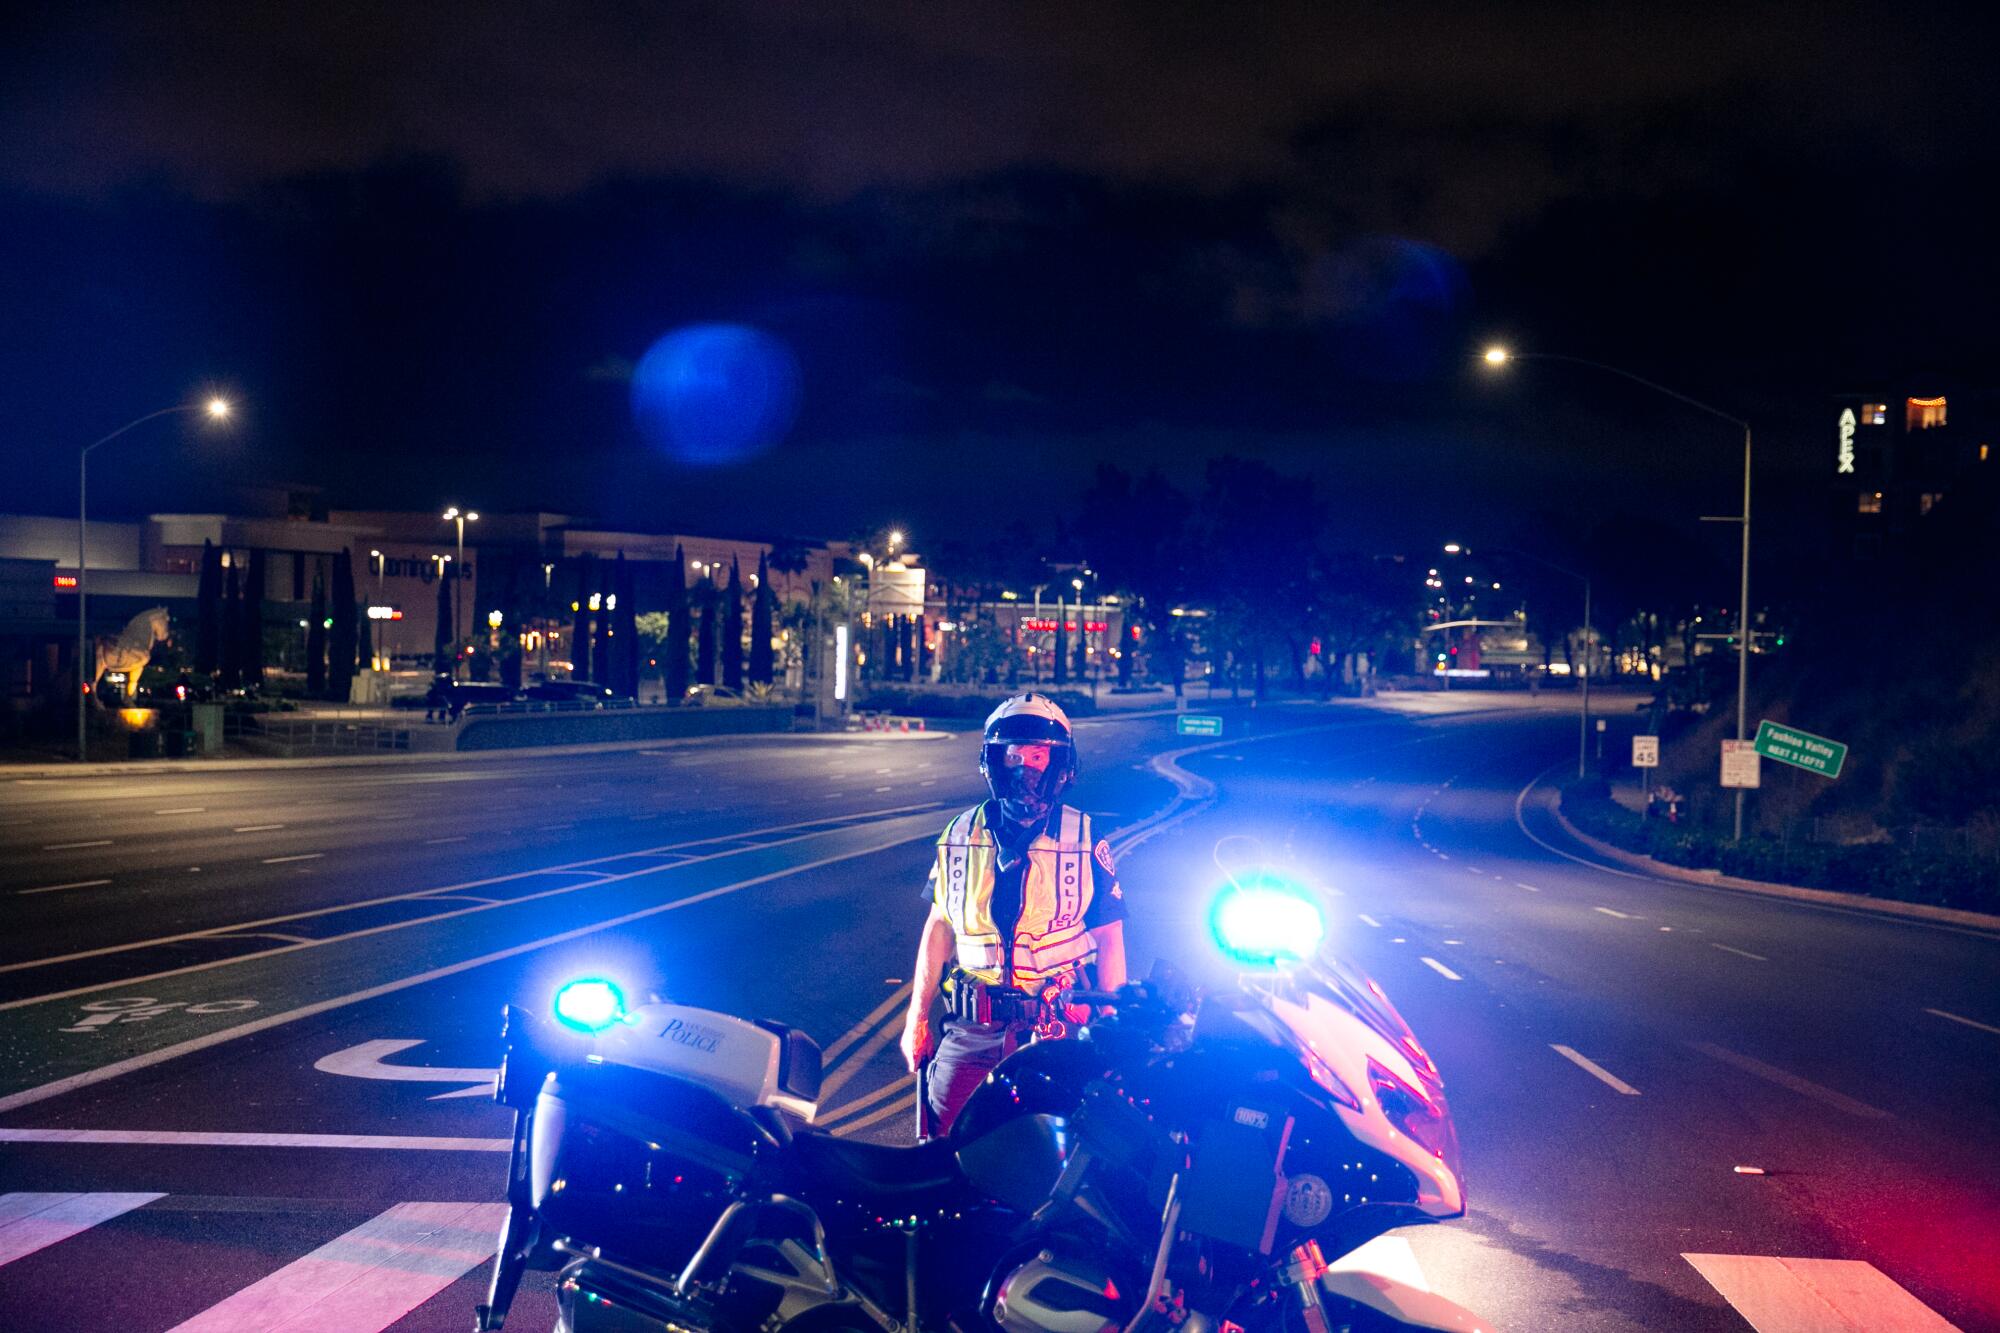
1026	773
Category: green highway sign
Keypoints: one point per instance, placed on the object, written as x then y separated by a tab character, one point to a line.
1800	749
1198	724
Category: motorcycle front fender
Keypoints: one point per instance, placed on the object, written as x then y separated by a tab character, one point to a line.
1410	1307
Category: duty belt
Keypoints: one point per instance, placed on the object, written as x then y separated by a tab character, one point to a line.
971	1001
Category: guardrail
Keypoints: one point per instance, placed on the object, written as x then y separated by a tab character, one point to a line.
294	737
866	721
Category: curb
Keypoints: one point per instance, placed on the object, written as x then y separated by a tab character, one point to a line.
166	767
1715	879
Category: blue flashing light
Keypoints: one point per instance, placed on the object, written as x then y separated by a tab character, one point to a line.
1266	922
589	1005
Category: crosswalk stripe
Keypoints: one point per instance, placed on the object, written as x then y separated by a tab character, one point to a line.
1815	1295
367	1279
30	1222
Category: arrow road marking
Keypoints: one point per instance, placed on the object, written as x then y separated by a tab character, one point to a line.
365	1061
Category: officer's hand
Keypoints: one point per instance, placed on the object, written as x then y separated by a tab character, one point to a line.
917	1044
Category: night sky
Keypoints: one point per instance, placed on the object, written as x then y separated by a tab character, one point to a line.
1003	243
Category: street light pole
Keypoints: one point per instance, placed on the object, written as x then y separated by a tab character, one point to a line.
461	518
1500	356
217	409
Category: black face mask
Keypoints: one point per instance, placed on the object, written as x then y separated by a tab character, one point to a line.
1025	795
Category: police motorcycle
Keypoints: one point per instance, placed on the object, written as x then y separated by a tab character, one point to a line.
1198	1162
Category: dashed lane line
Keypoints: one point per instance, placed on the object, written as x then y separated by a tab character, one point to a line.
1595	1070
1443	971
1969	1022
1368	920
75	846
286	860
1740	953
1529	887
255	828
184	810
1784	1078
57	888
456	837
1622	916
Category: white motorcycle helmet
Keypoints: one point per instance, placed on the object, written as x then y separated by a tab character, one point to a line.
1027	793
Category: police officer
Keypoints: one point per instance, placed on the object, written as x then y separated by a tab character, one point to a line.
1023	907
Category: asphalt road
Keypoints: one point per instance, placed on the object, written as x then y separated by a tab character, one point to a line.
247	1019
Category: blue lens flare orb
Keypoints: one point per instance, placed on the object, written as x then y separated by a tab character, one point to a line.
1266	922
712	394
589	1005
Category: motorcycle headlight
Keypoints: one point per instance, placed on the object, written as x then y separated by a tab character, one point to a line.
589	1005
1412	1110
1266	922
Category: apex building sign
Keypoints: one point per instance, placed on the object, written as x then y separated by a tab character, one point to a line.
1848	422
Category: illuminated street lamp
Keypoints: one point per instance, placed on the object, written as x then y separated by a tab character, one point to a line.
1499	356
460	517
216	409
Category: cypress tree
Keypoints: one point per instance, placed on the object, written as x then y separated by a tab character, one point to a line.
232	631
441	644
602	663
762	608
628	629
579	630
704	658
316	639
680	632
732	629
208	612
341	640
253	623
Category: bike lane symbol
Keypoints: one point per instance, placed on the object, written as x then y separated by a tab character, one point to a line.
99	1014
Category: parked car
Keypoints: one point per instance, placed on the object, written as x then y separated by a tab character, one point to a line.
714	696
574	691
453	697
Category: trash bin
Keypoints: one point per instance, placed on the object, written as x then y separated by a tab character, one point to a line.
207	722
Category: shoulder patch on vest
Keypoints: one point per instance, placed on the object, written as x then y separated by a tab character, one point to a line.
1103	854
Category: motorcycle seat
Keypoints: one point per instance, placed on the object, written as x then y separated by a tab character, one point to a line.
873	1171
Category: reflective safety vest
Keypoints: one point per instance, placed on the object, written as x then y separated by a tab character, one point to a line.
1050	940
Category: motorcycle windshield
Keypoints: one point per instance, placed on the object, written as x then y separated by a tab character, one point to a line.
1421	1111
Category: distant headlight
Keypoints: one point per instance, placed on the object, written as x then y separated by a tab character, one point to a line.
1266	922
589	1005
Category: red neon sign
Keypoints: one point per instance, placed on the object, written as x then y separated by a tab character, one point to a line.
1038	625
65	580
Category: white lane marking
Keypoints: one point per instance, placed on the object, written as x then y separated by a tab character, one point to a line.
57	888
1969	1022
302	856
180	1138
1740	953
839	1045
1385	1256
118	1068
456	837
1442	970
1444	856
256	828
1370	921
1475	870
30	1222
882	789
183	810
1815	1295
1529	887
849	821
1622	916
366	1061
901	1106
552	828
1790	1081
1595	1070
367	1279
72	846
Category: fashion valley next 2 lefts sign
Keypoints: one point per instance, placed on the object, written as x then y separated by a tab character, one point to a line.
1198	724
1800	749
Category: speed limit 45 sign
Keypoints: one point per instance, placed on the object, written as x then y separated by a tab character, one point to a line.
1645	752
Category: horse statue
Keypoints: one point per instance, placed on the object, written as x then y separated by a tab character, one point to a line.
132	649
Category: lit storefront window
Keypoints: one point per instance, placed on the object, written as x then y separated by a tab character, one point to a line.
1923	413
